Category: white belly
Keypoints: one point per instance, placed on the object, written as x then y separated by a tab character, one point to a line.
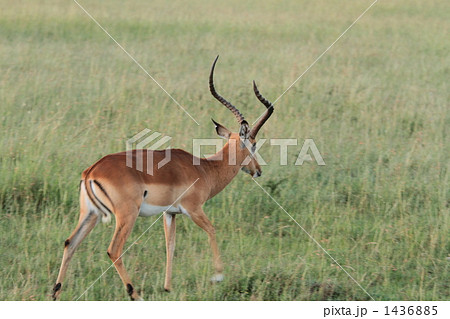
147	210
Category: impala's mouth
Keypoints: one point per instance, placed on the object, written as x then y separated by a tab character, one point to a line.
257	174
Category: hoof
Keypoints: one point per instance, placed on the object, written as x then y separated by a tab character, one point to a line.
56	291
136	298
217	278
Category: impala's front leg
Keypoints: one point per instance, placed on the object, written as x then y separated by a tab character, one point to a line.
169	231
199	217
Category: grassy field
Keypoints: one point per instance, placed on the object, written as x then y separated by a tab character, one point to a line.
376	106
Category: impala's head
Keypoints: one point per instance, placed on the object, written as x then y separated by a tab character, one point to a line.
245	139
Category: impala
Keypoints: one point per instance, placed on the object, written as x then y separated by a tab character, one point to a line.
182	186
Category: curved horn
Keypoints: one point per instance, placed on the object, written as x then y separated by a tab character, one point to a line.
228	105
266	115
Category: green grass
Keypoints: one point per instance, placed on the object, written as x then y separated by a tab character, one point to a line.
376	106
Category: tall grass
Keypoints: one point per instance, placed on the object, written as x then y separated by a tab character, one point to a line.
376	106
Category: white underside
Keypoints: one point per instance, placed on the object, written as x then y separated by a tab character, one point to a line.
147	210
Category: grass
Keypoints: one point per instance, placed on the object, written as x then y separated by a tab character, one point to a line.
376	106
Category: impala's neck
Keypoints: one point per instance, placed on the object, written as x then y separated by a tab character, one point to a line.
223	166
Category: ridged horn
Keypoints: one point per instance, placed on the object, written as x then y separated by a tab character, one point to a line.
266	115
228	105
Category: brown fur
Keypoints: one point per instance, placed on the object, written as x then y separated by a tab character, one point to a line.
122	190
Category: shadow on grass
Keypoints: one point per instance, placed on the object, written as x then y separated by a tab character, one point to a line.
277	286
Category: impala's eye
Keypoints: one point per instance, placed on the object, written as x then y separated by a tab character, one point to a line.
253	148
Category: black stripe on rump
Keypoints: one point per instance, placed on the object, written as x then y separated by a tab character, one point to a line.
104	192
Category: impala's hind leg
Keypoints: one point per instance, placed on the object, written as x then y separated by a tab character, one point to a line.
88	219
125	219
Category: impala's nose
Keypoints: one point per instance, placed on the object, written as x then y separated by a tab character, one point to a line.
257	174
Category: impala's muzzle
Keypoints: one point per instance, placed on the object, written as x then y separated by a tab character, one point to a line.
254	173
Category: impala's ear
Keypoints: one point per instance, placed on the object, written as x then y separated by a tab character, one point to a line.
221	130
244	131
